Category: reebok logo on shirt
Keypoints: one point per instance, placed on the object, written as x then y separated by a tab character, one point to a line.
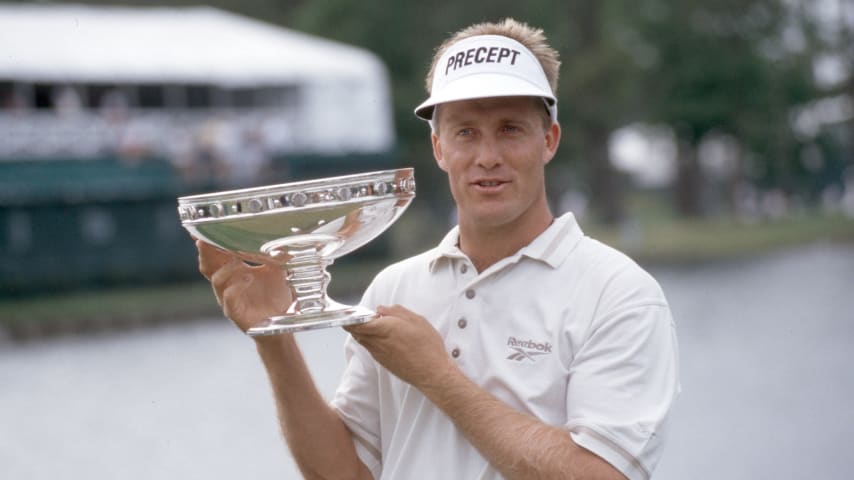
527	349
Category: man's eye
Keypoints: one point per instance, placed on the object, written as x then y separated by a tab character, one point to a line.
465	132
511	128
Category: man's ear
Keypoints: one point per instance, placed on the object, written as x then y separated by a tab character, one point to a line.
552	141
437	151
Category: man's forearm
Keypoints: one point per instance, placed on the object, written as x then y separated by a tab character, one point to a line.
519	446
319	441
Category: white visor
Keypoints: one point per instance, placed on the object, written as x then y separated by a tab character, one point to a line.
487	66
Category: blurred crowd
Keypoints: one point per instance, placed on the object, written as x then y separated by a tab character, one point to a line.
227	145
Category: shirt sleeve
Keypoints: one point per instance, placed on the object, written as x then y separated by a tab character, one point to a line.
357	400
624	379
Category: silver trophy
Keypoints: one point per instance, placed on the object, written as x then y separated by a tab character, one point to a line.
302	227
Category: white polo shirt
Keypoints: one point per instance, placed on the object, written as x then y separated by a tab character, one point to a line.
567	330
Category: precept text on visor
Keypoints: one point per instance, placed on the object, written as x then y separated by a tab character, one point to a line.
481	55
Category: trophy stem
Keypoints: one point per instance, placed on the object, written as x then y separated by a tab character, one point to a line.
311	307
306	272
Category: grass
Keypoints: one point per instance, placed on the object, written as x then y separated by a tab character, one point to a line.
694	241
655	236
95	309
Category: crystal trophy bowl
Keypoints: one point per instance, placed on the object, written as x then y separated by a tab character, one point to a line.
302	227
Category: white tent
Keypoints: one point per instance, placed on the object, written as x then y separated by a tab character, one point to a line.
344	102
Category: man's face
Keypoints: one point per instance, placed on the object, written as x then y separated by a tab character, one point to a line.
494	151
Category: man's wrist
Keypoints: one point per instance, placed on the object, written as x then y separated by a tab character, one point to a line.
446	381
273	345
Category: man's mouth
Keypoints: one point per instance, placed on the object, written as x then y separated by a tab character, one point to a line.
489	186
489	183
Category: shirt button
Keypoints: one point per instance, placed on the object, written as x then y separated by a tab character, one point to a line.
464	269
469	293
462	323
455	352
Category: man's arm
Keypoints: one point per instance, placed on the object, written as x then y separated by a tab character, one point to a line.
517	445
318	439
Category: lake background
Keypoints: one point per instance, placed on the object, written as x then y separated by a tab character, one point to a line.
765	351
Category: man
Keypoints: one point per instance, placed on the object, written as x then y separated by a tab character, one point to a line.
518	348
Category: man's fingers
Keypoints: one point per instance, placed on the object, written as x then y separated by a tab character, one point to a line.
375	328
357	330
227	274
270	274
229	296
393	310
211	259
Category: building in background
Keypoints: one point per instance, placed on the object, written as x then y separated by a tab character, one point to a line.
108	113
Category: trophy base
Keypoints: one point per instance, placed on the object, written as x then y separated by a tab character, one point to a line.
336	315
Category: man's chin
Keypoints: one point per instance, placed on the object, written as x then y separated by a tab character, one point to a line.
488	219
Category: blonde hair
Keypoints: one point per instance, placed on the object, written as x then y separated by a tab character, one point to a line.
532	38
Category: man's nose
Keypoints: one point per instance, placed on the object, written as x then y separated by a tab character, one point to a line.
488	155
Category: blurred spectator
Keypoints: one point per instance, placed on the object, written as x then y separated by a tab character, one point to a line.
249	161
114	106
66	101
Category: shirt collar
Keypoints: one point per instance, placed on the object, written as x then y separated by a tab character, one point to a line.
550	247
447	248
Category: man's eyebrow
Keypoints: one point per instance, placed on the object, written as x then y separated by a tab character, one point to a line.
456	120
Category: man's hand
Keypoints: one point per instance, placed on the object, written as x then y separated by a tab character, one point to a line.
246	294
320	442
406	344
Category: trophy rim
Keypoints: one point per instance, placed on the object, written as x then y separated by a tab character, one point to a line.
314	194
299	184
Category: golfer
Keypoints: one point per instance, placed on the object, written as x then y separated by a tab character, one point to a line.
518	347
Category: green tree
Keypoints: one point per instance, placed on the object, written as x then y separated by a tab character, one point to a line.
718	69
599	93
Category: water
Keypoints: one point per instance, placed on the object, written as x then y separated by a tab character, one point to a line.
765	351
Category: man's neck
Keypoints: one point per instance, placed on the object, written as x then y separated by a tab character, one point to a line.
485	246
